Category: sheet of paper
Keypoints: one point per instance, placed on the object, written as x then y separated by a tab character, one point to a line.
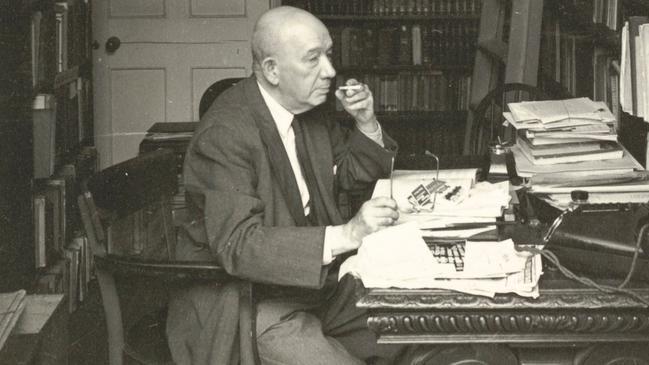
537	125
397	252
493	258
552	111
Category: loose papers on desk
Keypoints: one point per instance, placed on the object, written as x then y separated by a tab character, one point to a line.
398	257
480	200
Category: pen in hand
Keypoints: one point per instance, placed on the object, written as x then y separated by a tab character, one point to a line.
391	173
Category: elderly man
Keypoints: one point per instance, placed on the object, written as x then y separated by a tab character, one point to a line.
262	173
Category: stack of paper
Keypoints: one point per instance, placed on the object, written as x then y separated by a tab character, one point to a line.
564	131
11	306
399	257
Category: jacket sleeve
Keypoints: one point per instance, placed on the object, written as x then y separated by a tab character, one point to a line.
228	215
359	160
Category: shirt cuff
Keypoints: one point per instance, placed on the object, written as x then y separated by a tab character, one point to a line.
331	234
376	136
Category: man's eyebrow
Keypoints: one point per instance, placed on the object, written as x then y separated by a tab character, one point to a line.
313	51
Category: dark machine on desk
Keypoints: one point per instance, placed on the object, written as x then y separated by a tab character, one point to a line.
604	241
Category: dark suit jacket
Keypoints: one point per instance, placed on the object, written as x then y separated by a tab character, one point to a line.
239	212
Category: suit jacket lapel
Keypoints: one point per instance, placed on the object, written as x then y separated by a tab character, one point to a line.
279	162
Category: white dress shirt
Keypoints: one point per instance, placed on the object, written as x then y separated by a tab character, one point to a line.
283	120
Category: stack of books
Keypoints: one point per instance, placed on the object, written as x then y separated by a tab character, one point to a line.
566	135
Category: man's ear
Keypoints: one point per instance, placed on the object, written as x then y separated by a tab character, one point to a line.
270	71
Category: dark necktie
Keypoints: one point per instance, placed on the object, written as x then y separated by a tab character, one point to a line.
317	214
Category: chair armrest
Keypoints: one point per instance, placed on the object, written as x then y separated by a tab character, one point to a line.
165	270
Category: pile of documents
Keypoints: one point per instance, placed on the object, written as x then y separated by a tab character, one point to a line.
435	243
11	307
399	257
566	145
556	132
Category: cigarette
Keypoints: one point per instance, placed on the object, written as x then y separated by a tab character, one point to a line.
351	87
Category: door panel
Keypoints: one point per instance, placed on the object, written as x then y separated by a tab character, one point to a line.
138	99
218	8
137	8
170	52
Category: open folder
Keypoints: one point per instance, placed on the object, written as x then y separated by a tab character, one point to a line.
472	202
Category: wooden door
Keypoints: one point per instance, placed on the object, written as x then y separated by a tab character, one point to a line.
169	52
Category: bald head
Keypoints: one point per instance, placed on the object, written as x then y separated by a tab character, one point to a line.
291	58
274	29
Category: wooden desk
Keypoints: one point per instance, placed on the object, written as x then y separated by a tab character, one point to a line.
583	325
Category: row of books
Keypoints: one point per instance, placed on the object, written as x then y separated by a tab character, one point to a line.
606	12
56	216
69	274
391	7
434	43
559	56
634	64
417	92
60	248
579	66
606	80
60	39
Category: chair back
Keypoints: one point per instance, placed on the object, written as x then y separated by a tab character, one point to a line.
125	207
213	91
487	126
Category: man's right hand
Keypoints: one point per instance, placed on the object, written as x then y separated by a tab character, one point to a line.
375	214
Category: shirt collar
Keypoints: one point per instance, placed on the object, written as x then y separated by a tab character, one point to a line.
282	117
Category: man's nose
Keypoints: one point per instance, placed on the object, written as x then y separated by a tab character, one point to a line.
328	70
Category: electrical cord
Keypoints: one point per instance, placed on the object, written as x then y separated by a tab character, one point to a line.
552	257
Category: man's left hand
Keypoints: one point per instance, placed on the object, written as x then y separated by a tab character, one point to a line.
360	104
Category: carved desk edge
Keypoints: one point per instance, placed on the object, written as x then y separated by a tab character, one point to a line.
419	299
558	315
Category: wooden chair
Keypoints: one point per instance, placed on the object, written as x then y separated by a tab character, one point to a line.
487	127
213	91
127	217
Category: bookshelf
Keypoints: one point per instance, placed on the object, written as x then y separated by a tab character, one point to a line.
580	56
415	55
49	144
